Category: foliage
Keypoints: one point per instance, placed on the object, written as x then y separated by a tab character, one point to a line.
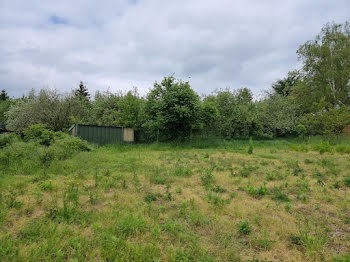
285	86
45	108
326	122
301	130
82	92
312	100
233	113
39	133
4	108
4	96
278	115
172	110
326	66
7	139
118	109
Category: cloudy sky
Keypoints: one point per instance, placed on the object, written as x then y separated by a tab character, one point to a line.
119	44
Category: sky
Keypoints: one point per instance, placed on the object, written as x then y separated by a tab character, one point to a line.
117	45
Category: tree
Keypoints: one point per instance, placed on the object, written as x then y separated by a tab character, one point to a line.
236	113
326	122
130	113
278	115
209	116
4	96
285	86
47	108
104	109
326	66
172	110
4	108
82	91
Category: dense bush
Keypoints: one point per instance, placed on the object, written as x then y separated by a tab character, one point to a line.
40	134
172	110
4	108
7	139
326	122
38	149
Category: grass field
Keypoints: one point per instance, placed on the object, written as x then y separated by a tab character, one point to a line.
284	202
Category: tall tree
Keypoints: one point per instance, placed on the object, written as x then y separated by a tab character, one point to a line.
82	91
326	65
284	86
3	95
172	109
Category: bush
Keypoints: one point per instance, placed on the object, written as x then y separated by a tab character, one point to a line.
39	133
328	122
41	148
65	145
7	139
301	130
20	157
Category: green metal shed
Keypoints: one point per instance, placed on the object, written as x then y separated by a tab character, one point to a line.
102	135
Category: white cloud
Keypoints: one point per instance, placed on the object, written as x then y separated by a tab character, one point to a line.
121	44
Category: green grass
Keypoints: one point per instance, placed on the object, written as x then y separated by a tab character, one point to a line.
287	200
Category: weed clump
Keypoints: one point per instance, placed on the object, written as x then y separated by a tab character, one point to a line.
216	200
247	170
347	181
219	189
207	178
244	228
279	195
257	192
151	197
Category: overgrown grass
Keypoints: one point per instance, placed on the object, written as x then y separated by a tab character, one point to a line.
201	201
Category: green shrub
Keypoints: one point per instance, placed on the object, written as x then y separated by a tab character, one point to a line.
301	130
327	122
40	134
20	158
7	139
65	146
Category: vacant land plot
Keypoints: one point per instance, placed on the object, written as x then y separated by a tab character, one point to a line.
283	202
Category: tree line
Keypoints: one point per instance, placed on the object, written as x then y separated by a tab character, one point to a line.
313	100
